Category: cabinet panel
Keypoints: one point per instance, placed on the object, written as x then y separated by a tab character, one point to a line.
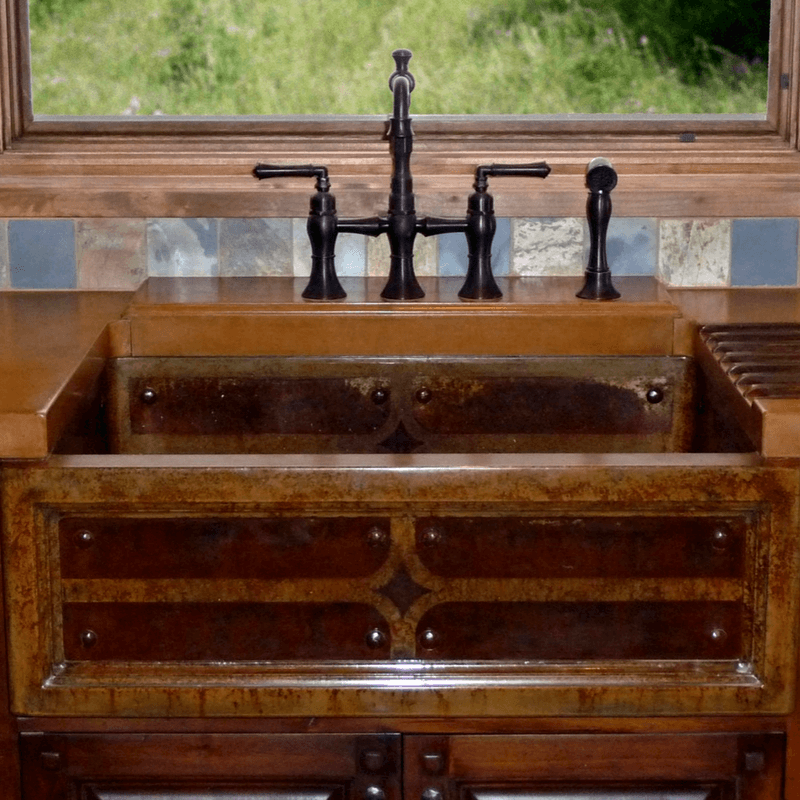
654	792
221	547
594	767
591	546
582	631
210	767
101	793
256	586
223	631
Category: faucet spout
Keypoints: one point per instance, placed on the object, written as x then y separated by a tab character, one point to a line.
401	224
402	217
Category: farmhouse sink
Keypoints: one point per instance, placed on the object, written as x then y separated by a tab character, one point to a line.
416	533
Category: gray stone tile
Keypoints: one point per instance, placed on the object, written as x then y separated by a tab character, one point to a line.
453	251
41	253
250	247
5	278
764	252
111	253
301	249
631	246
182	247
350	252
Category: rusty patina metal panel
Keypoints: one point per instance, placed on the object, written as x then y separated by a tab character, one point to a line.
374	405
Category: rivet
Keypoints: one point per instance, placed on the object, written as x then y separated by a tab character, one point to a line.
377	536
718	635
424	395
374	793
375	638
429	638
720	538
88	638
380	396
654	395
149	396
431	537
432	793
84	538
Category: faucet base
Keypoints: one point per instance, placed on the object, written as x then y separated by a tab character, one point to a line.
598	286
402	283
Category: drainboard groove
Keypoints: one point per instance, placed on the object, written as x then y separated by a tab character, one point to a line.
761	360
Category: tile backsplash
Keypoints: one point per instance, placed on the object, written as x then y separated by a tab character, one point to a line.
120	253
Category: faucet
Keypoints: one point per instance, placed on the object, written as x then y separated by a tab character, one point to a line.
601	178
401	224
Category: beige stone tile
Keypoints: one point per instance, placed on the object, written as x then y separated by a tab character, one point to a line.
695	252
426	255
111	253
547	246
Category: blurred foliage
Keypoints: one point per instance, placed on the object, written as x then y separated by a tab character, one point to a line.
334	57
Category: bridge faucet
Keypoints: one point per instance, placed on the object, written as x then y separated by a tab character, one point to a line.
401	224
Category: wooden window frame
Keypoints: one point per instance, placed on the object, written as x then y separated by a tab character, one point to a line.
144	167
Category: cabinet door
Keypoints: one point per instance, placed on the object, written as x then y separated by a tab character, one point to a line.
210	767
594	767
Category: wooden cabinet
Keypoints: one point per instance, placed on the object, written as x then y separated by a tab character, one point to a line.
211	767
409	767
593	767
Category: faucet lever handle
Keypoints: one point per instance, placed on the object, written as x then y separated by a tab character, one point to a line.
262	171
539	169
322	228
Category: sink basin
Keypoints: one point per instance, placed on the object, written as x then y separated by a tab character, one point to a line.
372	405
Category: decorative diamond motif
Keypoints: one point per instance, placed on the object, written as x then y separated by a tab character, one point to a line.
401	441
403	590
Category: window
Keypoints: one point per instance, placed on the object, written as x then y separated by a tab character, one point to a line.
691	167
216	57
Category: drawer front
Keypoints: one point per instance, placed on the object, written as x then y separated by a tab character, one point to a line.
597	766
583	547
224	547
208	766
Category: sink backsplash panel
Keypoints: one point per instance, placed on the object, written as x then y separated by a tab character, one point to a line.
121	253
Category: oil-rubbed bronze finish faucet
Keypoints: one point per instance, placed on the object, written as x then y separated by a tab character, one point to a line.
401	223
601	178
